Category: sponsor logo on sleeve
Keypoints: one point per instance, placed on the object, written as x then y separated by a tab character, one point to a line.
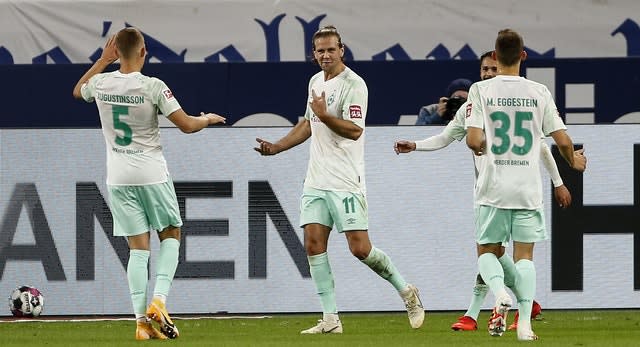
355	111
468	111
167	94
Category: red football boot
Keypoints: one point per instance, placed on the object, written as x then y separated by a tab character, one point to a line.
536	310
465	323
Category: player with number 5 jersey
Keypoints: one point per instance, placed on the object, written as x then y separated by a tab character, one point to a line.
141	192
127	105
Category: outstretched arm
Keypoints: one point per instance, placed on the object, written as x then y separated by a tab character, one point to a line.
190	124
109	55
299	134
432	143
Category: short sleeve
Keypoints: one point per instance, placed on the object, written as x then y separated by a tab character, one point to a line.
88	89
308	113
163	97
551	120
354	107
473	110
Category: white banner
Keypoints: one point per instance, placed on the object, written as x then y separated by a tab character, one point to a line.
420	214
41	31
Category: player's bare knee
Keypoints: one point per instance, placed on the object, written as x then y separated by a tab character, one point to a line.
169	232
360	251
314	247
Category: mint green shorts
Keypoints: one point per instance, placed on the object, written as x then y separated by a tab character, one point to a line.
138	209
496	225
347	210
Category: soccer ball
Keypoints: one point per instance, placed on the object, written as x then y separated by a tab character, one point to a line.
26	301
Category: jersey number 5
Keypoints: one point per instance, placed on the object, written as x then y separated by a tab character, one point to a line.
502	132
118	111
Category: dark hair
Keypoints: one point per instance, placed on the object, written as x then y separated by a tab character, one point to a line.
509	45
128	40
486	54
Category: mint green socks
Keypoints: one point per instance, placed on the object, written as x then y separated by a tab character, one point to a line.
138	277
138	273
480	291
492	273
167	264
510	272
323	279
381	264
526	284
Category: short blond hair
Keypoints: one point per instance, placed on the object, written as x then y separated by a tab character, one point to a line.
128	42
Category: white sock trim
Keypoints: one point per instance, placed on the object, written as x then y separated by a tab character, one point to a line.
161	297
330	317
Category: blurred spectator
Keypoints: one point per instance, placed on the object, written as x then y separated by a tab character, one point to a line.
443	111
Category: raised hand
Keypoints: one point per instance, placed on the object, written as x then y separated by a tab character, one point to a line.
109	52
318	104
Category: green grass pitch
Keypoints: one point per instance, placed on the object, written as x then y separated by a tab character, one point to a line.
556	328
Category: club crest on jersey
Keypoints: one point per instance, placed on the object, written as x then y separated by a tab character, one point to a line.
167	94
331	99
355	111
468	111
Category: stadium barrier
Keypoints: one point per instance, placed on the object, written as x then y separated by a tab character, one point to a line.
242	249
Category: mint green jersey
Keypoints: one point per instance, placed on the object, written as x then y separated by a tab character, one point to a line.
128	105
337	163
515	114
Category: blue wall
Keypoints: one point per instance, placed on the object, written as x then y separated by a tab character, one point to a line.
40	95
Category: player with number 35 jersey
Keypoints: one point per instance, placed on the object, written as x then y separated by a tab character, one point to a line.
516	114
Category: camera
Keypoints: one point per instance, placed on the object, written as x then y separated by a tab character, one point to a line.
452	106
